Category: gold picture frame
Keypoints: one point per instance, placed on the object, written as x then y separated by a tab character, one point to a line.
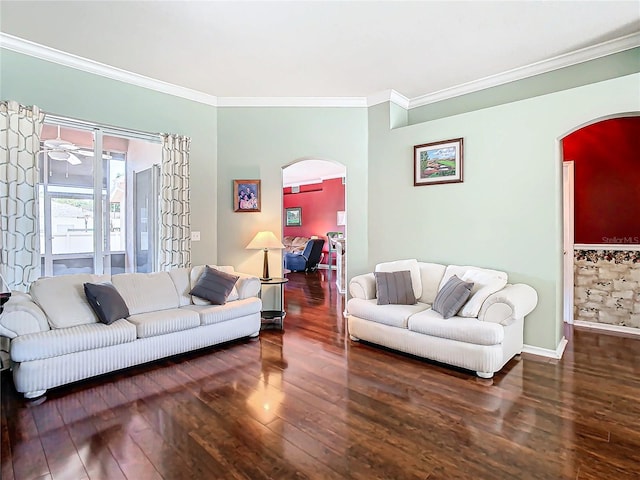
246	196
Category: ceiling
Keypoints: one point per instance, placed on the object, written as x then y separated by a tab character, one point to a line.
311	171
318	49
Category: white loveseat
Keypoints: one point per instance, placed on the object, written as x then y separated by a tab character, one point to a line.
56	337
483	336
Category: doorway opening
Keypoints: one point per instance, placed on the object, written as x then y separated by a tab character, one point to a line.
315	210
601	205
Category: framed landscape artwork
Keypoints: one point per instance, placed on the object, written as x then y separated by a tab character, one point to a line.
293	217
246	196
438	162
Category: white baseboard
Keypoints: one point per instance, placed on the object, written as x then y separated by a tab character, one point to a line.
546	352
603	327
558	352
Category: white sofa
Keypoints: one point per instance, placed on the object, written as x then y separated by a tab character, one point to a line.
483	336
56	337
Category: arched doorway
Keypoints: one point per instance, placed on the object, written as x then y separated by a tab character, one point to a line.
603	260
314	205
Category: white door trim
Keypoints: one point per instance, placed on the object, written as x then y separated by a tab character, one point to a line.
568	238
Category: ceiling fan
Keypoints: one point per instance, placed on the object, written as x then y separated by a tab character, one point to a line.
61	150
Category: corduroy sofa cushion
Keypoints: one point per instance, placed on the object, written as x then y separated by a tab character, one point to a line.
394	288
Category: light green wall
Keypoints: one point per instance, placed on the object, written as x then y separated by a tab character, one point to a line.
605	68
255	143
72	93
507	213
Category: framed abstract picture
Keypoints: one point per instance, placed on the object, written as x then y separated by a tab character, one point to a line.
246	196
438	162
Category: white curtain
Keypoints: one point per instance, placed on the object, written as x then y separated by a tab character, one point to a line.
175	214
20	129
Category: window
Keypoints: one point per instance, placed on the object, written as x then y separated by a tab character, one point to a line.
86	200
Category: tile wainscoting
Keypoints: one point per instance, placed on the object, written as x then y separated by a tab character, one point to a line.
607	285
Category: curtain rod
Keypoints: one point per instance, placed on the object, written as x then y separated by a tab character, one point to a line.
108	129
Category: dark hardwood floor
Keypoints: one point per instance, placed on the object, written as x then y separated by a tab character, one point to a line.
309	403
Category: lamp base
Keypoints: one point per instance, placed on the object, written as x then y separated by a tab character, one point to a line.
265	266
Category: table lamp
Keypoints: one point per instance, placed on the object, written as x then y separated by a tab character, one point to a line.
265	241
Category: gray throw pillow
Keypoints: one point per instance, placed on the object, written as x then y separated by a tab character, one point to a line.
214	285
452	297
106	302
394	288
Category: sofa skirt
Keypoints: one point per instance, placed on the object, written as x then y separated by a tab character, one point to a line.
37	375
478	358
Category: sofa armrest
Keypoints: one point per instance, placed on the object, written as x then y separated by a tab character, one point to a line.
247	285
21	315
509	304
363	286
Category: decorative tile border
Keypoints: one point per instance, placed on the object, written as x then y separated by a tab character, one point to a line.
616	256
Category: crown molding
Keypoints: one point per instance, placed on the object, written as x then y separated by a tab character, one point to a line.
314	181
561	61
378	98
388	96
32	49
292	102
399	99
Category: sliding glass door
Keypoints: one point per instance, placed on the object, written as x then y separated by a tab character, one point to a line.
86	199
147	194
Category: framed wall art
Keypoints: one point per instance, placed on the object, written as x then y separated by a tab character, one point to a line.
438	162
246	196
293	217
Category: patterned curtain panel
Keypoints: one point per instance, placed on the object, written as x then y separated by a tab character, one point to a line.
175	214
20	129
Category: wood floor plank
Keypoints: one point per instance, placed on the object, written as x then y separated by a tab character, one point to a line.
25	446
306	402
6	463
172	429
97	458
61	453
225	406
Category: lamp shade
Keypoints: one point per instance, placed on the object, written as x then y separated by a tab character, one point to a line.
264	240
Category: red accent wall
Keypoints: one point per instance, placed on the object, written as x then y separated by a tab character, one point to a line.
607	181
319	202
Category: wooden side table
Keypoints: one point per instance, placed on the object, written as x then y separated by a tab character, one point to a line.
270	317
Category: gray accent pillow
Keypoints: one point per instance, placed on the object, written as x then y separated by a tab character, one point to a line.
214	285
451	297
394	288
106	302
